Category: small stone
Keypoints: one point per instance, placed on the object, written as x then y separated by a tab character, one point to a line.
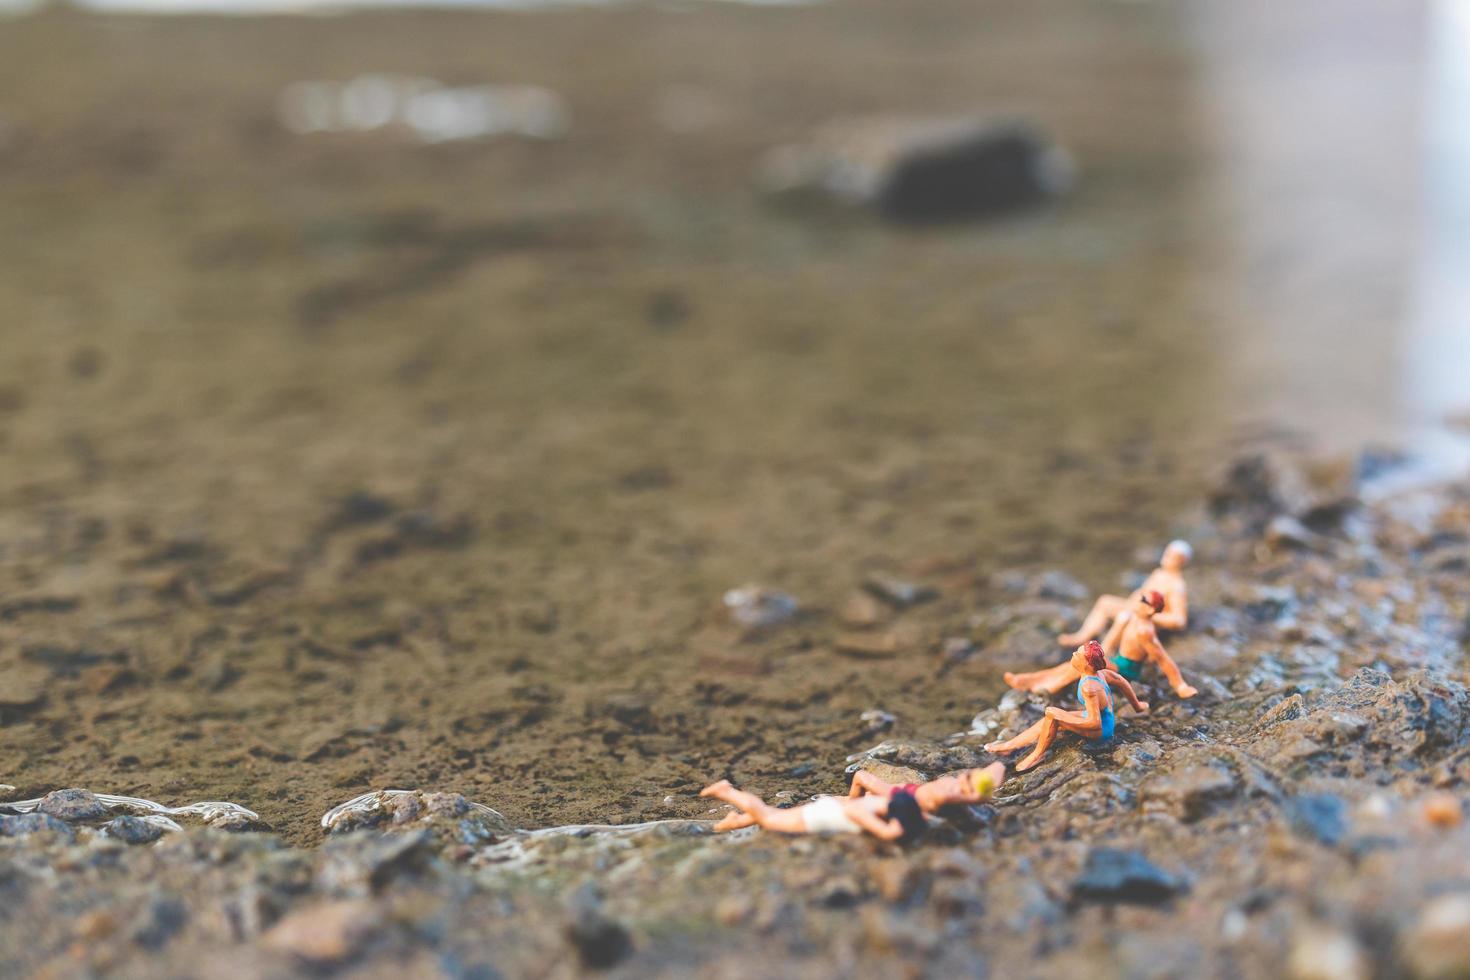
1285	531
1287	709
957	649
73	805
732	910
1111	875
599	940
1188	793
876	720
323	934
132	830
920	170
755	608
1435	946
896	591
1053	584
95	925
892	774
1320	953
34	823
1442	810
1320	816
361	507
404	808
359	864
861	610
160	919
895	879
841	892
867	644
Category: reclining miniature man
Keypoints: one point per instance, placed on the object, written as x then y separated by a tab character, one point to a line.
1094	721
886	811
1167	580
1136	642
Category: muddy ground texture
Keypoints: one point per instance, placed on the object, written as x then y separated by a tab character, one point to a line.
1300	815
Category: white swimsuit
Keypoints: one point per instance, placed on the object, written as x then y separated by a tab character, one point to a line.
826	815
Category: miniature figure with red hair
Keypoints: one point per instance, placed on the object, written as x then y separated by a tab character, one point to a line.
1095	720
1136	641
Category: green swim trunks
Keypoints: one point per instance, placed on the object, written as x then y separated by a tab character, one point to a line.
1130	669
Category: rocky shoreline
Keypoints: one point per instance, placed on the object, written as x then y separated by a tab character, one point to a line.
1302	815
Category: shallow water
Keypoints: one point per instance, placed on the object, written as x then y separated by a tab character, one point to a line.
337	461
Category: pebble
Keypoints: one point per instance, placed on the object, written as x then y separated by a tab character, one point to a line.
1320	953
957	649
1286	709
1442	810
73	805
1320	816
33	823
876	720
1113	875
861	610
324	934
754	607
914	170
360	864
892	774
1285	531
1437	946
868	644
897	591
1053	584
160	919
132	830
600	941
1187	793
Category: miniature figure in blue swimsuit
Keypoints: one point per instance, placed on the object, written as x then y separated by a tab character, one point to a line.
1094	721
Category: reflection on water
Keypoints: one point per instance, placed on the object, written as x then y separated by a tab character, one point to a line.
1343	215
1436	379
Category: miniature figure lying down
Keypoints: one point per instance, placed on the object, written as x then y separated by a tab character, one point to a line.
882	809
1095	720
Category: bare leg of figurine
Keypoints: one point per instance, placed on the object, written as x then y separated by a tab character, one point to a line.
756	811
1028	737
1170	670
1064	720
1048	681
1103	611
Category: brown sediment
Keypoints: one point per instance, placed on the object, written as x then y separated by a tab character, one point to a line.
341	463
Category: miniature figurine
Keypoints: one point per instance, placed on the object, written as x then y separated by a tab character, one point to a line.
1134	638
1095	721
886	811
1167	579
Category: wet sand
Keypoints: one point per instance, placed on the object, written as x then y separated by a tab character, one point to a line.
342	462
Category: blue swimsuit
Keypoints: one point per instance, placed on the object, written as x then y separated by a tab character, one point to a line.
1107	713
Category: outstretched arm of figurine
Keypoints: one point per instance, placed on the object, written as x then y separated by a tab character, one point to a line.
879	827
1165	663
1175	615
865	782
1114	679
